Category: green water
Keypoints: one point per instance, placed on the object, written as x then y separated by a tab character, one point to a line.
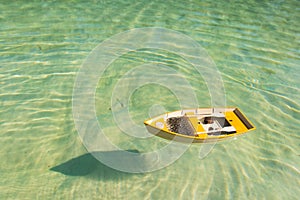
255	46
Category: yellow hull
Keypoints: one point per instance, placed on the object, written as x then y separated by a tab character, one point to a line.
200	125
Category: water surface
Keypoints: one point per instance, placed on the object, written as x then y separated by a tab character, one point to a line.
255	46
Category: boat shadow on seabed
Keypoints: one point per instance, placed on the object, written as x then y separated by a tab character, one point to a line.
87	165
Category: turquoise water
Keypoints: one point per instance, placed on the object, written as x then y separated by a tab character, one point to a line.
255	46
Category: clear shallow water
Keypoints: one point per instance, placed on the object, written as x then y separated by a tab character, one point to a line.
255	46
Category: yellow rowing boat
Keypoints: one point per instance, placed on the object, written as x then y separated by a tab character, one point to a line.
200	125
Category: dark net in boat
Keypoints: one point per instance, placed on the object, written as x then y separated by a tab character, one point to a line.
180	125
